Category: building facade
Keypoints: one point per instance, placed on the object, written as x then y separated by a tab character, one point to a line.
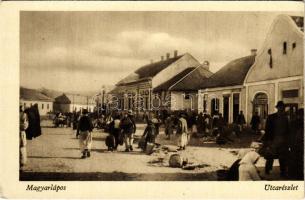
184	93
224	91
72	102
137	91
277	73
30	97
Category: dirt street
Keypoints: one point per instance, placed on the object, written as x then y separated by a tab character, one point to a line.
55	155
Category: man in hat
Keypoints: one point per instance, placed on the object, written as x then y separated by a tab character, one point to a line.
85	128
276	137
128	126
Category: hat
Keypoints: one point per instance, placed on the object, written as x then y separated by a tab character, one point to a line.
280	104
129	112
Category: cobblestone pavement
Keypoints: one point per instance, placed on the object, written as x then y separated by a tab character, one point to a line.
55	155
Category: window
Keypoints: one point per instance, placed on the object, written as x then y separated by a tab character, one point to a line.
270	60
42	106
285	48
290	93
48	106
187	96
294	45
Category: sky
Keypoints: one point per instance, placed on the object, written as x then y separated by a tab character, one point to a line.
82	51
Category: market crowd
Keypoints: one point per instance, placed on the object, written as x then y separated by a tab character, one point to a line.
282	136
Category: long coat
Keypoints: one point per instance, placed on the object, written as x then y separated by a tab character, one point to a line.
277	134
34	129
271	127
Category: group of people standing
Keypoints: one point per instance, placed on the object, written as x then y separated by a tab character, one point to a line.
283	140
120	128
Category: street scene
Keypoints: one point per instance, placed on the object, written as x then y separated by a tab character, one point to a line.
55	156
129	96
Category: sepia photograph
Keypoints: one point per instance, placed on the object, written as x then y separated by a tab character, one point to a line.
161	96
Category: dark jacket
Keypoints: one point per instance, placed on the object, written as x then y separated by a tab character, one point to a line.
85	123
276	126
128	125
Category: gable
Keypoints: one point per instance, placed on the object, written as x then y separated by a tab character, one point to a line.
280	64
186	61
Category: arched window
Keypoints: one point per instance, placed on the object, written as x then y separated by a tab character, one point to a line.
260	105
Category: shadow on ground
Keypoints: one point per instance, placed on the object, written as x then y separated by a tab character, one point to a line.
47	157
116	176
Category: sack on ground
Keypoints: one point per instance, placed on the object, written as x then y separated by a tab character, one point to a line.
177	161
141	143
110	141
149	148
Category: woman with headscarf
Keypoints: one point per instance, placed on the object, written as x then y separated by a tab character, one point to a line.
232	174
182	129
247	169
149	133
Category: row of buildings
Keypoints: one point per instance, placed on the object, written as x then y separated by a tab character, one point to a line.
253	83
48	102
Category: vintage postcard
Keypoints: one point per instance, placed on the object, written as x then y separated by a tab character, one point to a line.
152	100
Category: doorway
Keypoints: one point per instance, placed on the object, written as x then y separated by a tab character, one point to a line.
214	106
226	100
235	106
260	105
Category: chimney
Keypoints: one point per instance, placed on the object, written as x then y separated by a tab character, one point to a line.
162	58
167	55
175	54
206	65
253	52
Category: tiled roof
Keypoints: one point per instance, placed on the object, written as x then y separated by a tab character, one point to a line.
148	71
33	95
231	74
193	80
166	85
299	21
62	99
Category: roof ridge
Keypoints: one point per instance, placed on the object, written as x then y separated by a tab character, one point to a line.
184	77
228	63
